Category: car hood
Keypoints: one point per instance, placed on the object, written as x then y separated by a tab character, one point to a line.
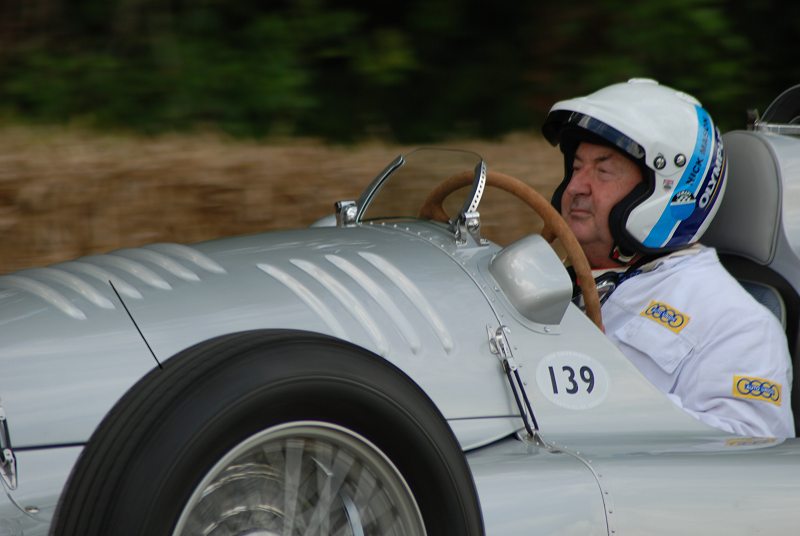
76	335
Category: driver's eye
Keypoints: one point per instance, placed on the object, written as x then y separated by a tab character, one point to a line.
607	174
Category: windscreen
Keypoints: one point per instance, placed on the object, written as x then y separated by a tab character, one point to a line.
403	191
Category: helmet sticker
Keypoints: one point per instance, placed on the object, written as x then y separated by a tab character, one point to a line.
682	204
707	194
696	190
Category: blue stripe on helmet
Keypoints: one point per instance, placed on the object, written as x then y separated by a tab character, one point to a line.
688	228
694	176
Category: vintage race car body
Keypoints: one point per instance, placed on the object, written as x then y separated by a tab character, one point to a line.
475	333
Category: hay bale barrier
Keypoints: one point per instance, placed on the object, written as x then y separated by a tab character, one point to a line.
65	193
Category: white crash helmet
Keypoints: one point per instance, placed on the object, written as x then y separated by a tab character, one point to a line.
674	142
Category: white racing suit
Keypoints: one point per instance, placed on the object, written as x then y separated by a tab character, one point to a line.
696	334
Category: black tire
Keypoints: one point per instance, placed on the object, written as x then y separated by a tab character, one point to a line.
144	465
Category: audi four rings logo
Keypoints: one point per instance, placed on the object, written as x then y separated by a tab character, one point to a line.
757	388
666	315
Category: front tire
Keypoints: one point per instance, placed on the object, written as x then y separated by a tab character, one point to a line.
265	433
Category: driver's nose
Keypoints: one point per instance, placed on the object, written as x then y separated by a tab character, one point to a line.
579	183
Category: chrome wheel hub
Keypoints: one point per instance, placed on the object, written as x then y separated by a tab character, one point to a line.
303	478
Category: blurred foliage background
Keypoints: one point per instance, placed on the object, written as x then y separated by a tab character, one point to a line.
125	122
348	70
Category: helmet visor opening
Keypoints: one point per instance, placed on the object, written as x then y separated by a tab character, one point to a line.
560	121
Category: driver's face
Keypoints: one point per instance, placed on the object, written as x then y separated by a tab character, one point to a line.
601	177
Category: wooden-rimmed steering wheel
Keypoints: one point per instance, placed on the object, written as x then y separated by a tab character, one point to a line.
554	226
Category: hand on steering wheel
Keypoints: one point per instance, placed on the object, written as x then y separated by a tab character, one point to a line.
554	226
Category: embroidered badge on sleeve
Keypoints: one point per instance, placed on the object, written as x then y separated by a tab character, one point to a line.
666	315
757	389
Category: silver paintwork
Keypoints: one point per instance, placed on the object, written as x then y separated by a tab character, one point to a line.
315	288
789	151
529	490
531	276
639	484
45	292
623	460
29	509
688	486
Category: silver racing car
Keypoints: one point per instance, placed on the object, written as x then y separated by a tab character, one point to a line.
388	371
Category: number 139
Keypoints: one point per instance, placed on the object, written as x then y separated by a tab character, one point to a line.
568	377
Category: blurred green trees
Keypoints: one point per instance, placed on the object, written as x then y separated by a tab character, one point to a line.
418	70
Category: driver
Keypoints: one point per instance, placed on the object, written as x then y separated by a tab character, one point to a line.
645	172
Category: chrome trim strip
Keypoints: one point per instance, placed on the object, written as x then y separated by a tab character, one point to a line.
48	294
346	298
103	276
302	292
75	283
786	130
413	294
381	298
375	186
161	260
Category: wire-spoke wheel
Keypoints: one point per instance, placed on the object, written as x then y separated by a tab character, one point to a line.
303	478
272	433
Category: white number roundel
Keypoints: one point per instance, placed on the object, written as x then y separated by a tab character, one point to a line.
572	380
